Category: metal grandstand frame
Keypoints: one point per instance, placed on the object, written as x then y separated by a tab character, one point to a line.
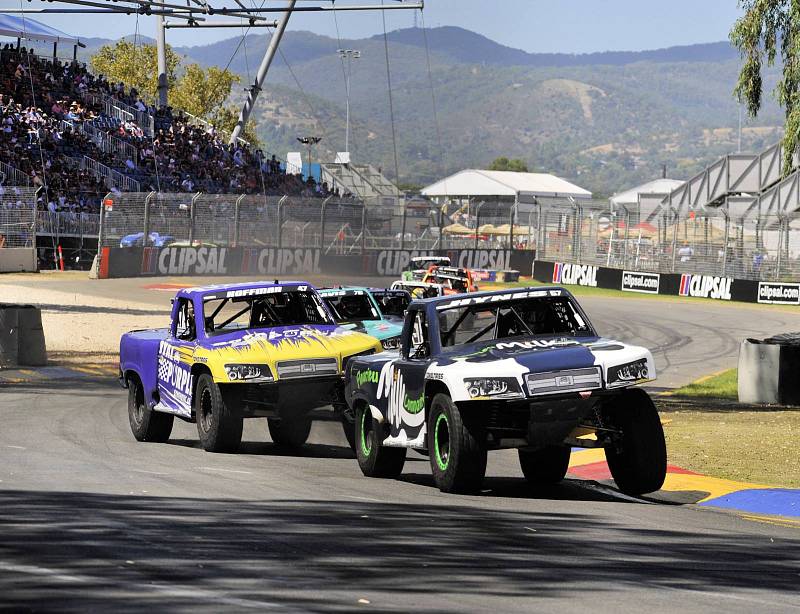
195	12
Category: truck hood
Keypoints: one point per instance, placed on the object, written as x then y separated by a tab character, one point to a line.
380	329
620	364
285	343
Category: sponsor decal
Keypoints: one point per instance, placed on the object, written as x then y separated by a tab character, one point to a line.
392	386
633	281
779	293
434	375
629	373
174	379
484	258
274	261
413	406
184	261
494	298
705	286
394	262
535	344
575	274
370	375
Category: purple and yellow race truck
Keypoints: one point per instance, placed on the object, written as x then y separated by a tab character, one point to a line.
238	351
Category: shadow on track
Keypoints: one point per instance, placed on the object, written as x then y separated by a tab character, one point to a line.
84	551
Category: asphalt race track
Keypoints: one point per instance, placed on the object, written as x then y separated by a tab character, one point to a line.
92	520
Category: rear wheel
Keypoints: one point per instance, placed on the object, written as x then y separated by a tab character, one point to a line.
638	462
291	433
546	466
375	460
219	428
457	450
146	424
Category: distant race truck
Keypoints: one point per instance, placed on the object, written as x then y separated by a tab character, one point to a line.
238	351
522	369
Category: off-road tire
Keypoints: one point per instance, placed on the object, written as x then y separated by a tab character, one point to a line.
457	448
146	424
544	467
218	426
347	416
375	460
289	433
639	464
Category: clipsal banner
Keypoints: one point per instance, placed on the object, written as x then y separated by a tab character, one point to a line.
274	261
705	286
575	274
497	259
184	261
394	262
779	293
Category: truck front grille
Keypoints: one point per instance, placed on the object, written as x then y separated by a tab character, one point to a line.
568	380
310	367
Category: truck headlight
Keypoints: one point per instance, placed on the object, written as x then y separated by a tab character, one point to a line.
248	373
495	387
392	343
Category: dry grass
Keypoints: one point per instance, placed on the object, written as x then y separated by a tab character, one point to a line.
748	446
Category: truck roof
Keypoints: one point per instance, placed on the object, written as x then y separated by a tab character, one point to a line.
479	297
201	291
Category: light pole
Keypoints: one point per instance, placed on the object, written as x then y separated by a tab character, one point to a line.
309	142
348	54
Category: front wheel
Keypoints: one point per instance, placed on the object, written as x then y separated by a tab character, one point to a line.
290	433
219	428
375	460
348	419
638	462
545	467
457	450
146	424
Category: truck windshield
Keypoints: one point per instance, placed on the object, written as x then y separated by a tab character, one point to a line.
392	304
539	316
288	308
350	307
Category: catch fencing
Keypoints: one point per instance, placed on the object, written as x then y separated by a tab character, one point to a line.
709	241
18	217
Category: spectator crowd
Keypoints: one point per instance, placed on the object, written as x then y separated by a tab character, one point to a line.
52	113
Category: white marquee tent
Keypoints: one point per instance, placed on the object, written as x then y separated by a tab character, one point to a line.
29	29
500	184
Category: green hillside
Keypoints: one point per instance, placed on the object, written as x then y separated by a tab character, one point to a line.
605	120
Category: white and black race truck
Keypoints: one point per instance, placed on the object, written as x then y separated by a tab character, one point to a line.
523	369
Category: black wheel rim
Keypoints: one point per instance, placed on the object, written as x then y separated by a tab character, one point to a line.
138	405
206	410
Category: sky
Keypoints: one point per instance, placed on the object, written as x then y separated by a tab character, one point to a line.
565	26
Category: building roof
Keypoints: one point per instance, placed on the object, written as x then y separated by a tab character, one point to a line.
30	29
657	186
474	182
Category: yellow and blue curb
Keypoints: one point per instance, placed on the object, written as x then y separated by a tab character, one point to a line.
748	499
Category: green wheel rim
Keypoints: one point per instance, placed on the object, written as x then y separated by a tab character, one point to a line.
441	451
366	446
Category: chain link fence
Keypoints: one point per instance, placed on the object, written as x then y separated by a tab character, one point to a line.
17	217
709	241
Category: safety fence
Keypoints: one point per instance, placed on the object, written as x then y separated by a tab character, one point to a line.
707	241
18	217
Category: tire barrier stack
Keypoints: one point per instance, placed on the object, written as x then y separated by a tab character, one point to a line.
22	340
768	370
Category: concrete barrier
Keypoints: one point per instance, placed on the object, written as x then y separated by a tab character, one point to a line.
18	259
768	371
9	336
22	341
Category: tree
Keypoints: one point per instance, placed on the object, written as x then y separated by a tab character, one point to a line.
766	28
135	65
202	91
504	164
225	119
